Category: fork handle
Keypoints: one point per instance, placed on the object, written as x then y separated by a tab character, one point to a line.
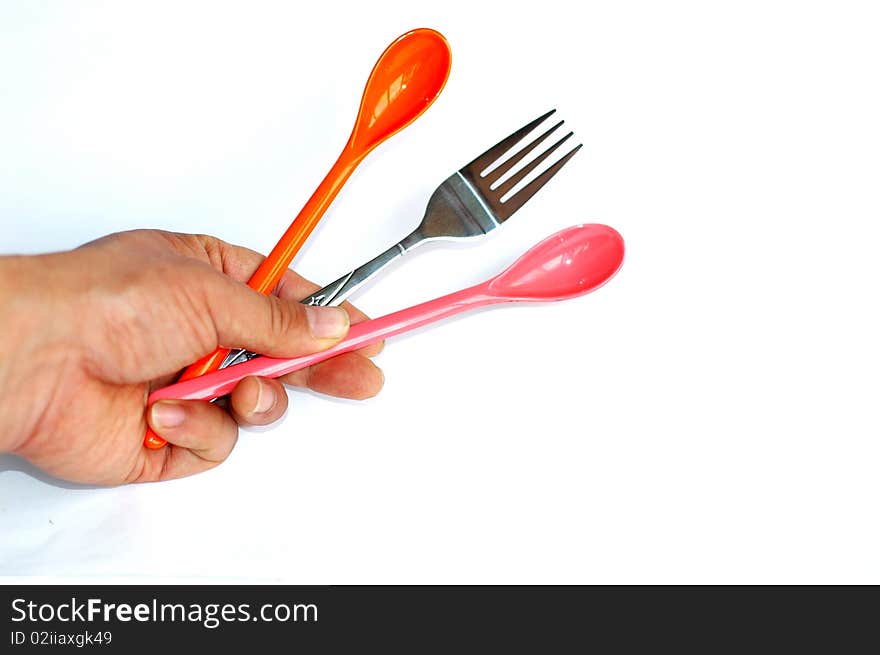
336	292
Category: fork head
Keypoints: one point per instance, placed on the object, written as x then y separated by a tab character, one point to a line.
497	164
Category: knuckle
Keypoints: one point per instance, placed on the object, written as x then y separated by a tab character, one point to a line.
214	249
284	318
192	291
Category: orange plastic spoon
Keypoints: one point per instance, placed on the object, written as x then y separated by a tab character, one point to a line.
406	79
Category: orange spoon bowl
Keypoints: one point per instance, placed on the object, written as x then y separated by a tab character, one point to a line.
406	79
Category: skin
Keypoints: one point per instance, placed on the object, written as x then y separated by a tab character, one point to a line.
86	335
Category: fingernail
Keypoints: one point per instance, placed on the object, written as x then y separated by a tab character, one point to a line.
168	415
265	399
327	322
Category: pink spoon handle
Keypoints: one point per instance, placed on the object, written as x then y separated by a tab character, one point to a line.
219	383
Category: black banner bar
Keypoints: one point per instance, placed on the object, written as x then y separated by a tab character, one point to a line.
418	618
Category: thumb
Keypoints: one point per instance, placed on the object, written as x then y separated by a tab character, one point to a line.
244	318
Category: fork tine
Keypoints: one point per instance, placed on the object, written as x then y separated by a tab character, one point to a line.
514	179
523	195
517	157
481	163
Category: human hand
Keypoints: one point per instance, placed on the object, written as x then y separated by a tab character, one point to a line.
86	335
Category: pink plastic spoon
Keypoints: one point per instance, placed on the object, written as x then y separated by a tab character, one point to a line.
570	263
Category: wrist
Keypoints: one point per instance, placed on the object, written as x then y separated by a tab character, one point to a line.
26	348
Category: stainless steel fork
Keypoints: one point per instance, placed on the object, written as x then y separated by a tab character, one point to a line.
469	203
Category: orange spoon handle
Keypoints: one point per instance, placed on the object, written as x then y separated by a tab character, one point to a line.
270	272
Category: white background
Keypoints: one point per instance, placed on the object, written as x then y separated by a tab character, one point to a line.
709	416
